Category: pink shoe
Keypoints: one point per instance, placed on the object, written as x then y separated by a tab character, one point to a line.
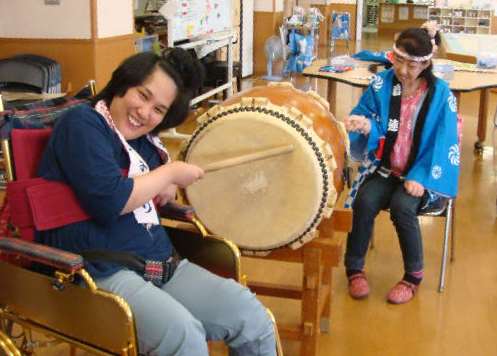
358	286
402	292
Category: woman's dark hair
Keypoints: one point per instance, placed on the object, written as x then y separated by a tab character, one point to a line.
417	42
186	71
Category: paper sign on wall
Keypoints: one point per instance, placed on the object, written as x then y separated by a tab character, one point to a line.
192	18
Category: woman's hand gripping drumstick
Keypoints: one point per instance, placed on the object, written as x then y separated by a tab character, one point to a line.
251	157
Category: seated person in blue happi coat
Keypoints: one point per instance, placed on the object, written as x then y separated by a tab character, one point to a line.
405	132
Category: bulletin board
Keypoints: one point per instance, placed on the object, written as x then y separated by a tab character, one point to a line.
193	18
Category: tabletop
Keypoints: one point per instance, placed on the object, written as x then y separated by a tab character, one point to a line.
463	81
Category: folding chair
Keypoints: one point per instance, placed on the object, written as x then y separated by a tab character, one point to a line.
446	210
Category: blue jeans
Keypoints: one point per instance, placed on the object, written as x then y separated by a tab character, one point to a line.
375	194
192	307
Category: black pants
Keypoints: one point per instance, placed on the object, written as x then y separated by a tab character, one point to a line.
375	194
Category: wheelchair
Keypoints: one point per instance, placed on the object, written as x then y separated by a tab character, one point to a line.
53	304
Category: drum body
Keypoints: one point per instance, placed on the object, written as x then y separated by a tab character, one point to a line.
276	201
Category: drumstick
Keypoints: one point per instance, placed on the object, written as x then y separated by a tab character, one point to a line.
251	157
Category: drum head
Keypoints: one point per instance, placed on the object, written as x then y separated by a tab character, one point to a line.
264	204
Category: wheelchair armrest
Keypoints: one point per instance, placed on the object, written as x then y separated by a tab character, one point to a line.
213	253
34	252
175	211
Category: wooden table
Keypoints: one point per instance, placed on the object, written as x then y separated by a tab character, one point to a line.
462	82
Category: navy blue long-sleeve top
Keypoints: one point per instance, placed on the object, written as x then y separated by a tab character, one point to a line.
85	153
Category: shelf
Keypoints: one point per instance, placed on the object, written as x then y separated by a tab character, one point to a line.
461	20
461	17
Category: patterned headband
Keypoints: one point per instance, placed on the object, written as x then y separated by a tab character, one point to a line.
409	57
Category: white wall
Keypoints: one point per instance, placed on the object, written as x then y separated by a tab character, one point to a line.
328	2
473	3
460	3
114	18
247	33
267	6
34	19
69	20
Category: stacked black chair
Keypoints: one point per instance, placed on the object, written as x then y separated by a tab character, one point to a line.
29	72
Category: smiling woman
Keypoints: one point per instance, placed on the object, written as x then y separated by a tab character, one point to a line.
407	70
143	108
393	131
90	148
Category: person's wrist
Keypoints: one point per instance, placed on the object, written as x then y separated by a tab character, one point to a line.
167	174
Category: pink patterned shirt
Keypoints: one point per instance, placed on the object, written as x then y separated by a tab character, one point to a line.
409	107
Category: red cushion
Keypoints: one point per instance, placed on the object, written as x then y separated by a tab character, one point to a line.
20	210
54	204
27	148
42	204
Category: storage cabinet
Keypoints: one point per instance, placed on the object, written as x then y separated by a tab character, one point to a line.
395	18
456	20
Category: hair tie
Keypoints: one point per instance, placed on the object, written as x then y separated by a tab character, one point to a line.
172	66
431	27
